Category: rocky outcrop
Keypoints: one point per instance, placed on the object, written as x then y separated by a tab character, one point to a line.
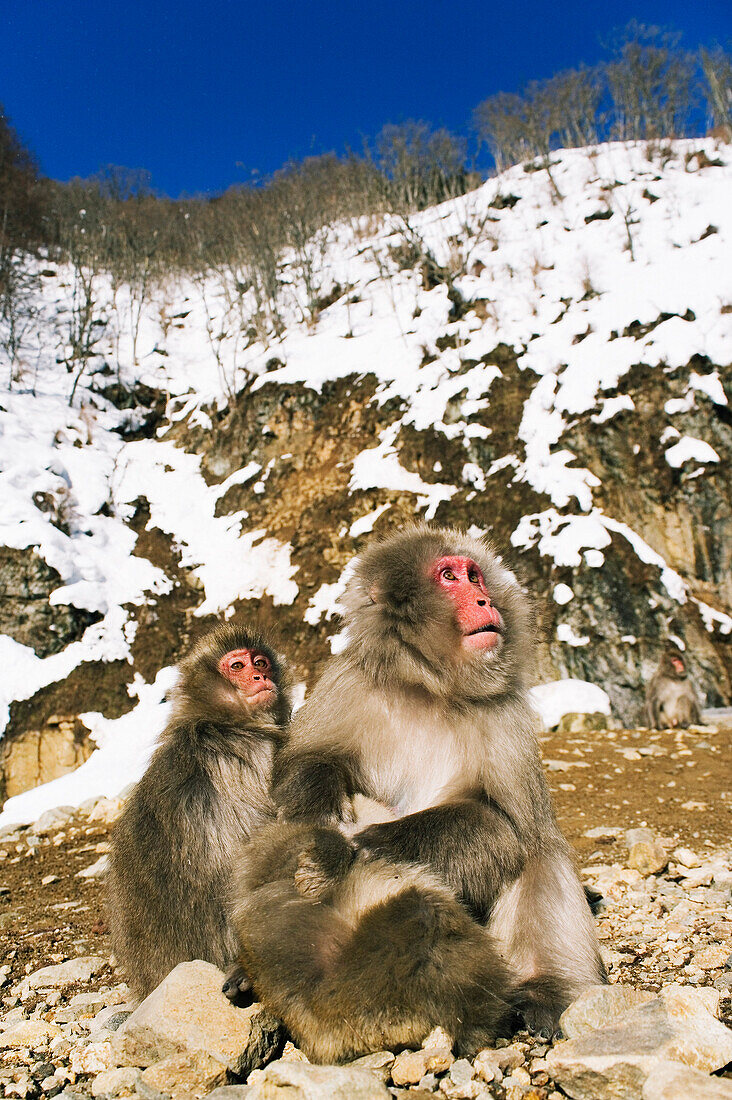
26	582
38	756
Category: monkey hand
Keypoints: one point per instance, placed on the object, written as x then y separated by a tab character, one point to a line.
323	863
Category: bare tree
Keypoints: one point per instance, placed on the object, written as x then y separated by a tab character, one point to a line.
651	82
82	215
717	68
420	166
21	234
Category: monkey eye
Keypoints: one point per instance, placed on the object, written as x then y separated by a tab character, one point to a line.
449	575
261	662
236	665
473	576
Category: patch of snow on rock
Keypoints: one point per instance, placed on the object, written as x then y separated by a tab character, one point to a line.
561	697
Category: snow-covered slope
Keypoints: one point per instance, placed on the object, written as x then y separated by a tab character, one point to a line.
543	360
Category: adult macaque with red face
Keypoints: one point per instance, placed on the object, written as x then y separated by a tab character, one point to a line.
426	710
671	700
205	790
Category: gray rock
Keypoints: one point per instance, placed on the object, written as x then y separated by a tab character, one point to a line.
35	1034
301	1081
671	1081
614	1061
230	1092
599	1006
380	1063
63	975
648	857
53	819
638	836
411	1065
603	832
188	1012
112	1017
116	1082
95	870
181	1076
460	1082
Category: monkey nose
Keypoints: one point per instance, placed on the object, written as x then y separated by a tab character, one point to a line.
482	603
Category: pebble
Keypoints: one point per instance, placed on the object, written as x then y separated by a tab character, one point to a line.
301	1081
95	870
116	1082
62	975
35	1034
411	1065
648	858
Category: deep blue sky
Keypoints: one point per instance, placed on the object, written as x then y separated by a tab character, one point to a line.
202	93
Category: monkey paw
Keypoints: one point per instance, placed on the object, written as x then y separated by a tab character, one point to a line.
238	987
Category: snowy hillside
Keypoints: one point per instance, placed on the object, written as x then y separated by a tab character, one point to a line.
547	359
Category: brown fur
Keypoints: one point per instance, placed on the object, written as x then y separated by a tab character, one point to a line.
363	956
671	700
447	740
206	789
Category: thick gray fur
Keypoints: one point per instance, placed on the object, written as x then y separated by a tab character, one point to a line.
447	739
205	790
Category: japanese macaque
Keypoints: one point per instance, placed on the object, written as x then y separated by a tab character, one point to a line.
206	788
426	710
670	697
365	955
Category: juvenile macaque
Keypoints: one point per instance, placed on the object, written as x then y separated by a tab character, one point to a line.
361	956
205	790
670	697
426	710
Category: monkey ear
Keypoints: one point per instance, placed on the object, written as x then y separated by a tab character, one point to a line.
375	594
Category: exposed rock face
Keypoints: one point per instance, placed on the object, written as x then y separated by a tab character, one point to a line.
37	756
26	582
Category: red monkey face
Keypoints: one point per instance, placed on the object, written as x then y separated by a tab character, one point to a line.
462	581
249	671
678	664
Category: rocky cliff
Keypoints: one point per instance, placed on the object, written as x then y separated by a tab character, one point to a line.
547	361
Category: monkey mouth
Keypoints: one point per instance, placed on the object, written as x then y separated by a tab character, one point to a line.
263	695
489	636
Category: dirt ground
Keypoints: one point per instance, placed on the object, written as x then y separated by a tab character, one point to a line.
676	783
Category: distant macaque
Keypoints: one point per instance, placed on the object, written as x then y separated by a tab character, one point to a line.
205	790
670	697
426	710
362	956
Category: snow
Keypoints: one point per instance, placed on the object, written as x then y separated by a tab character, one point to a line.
566	634
689	449
379	468
125	746
366	523
561	697
710	384
231	564
562	594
